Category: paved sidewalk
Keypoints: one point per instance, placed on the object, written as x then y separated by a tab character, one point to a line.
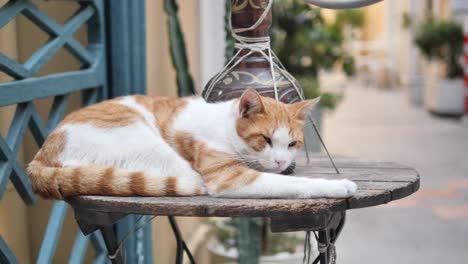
430	226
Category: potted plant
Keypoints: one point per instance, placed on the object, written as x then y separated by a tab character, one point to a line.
307	45
275	248
441	42
328	101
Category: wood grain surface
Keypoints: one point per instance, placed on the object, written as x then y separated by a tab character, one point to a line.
379	182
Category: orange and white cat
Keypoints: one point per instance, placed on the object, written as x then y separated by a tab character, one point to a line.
156	146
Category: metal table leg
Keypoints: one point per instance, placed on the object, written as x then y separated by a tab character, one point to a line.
323	239
181	245
327	238
329	227
90	221
110	239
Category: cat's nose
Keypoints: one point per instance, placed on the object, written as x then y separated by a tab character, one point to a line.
280	163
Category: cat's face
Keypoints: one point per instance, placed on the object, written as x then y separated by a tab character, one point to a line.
271	130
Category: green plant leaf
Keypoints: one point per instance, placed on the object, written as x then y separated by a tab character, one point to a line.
442	40
185	86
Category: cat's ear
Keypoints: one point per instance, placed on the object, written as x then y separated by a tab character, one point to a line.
302	109
250	103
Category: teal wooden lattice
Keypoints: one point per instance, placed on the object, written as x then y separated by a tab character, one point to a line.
91	81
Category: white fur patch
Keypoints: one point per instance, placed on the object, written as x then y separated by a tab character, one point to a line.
273	185
212	124
135	148
147	115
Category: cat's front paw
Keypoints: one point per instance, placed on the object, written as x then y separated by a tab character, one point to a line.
340	189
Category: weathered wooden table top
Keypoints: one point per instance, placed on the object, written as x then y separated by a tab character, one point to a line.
379	183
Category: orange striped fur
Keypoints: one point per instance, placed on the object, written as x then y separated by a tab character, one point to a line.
107	114
220	171
165	110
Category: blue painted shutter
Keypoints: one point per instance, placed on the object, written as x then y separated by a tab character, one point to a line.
113	63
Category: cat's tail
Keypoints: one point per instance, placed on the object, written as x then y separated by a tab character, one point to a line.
62	182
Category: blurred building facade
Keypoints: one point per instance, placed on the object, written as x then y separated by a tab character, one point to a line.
385	48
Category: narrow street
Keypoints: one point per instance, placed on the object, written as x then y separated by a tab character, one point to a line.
430	226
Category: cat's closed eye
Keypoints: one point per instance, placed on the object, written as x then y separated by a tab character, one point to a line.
267	140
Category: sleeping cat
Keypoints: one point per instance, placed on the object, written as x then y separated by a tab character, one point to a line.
160	146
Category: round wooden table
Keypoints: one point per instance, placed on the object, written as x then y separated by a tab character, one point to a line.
379	182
